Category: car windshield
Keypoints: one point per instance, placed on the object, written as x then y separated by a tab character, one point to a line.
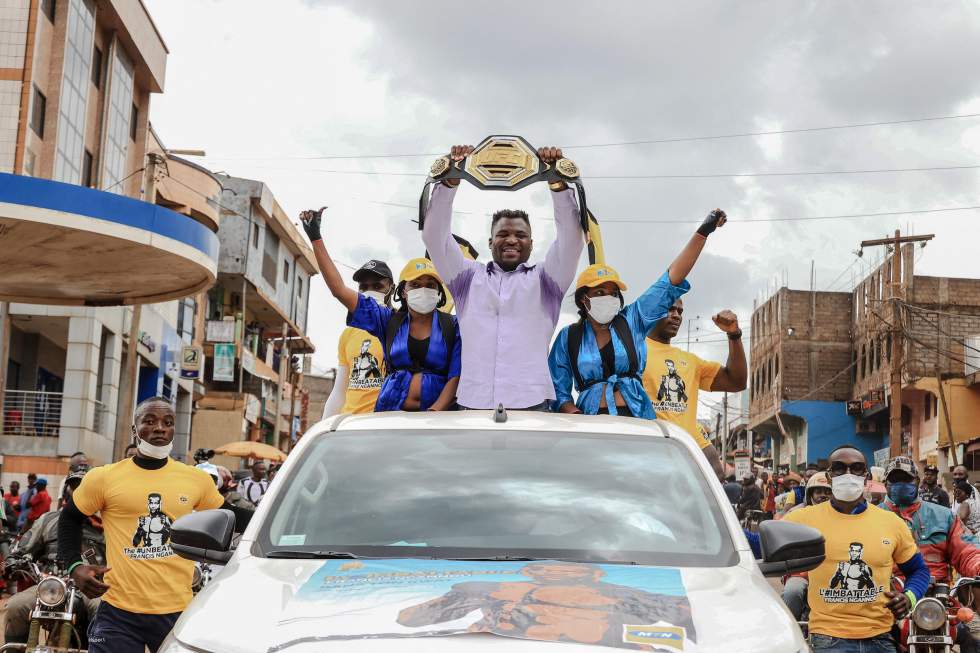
498	494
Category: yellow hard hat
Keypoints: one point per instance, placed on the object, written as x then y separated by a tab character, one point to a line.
418	267
598	274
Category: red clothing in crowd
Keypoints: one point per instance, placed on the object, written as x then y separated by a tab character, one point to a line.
770	498
13	502
40	503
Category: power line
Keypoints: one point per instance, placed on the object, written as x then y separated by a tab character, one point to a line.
240	215
675	139
795	219
134	172
719	175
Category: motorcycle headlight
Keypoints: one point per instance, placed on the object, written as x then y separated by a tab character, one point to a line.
51	591
929	614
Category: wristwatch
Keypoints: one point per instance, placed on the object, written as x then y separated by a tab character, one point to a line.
735	336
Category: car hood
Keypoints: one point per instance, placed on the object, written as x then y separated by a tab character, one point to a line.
299	606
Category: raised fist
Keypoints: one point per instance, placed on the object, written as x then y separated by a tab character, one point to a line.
715	219
727	321
549	154
311	223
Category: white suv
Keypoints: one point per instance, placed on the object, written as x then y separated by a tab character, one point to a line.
480	530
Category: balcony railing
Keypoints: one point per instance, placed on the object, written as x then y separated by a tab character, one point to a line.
31	413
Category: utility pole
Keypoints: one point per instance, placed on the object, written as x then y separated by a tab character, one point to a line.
696	318
897	359
724	436
4	347
283	370
128	377
949	424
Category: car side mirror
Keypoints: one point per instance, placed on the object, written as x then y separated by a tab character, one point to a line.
789	548
204	536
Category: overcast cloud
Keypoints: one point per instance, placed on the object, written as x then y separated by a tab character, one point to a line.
248	78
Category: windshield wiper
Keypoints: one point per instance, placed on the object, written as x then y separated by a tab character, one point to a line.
503	558
319	555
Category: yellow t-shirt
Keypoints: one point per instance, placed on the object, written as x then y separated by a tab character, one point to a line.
672	379
361	353
846	591
138	508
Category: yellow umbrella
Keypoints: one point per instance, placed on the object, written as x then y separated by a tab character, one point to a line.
251	449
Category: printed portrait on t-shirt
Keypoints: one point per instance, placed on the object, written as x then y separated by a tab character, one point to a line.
365	370
672	394
854	581
152	536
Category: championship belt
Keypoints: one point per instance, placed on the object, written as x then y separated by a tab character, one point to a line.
511	163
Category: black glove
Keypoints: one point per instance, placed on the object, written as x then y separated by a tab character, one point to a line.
714	220
311	223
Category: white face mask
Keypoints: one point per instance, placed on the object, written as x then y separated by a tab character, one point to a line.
847	487
423	300
604	308
153	451
379	297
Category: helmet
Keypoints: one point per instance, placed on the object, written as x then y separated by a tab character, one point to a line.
820	479
211	469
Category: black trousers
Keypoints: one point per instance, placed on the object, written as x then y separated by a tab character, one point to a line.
119	631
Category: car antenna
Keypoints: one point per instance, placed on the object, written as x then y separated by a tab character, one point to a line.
500	415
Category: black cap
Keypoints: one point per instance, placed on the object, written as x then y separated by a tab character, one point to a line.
379	268
931	468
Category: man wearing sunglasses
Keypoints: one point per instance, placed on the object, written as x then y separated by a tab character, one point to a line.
851	608
940	535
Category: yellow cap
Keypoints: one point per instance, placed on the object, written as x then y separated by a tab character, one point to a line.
598	274
418	267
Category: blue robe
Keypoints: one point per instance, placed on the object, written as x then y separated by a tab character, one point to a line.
374	318
641	315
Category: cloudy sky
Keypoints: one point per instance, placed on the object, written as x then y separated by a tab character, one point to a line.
264	87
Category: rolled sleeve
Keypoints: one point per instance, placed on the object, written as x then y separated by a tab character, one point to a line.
561	369
652	306
370	317
562	259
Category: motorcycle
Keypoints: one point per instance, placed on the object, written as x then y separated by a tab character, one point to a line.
932	625
203	572
54	615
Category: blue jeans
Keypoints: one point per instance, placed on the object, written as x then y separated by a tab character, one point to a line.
119	631
880	644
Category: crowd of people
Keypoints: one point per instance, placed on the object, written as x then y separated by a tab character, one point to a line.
454	333
110	532
404	350
891	521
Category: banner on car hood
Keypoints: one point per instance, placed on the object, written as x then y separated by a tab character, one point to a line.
631	607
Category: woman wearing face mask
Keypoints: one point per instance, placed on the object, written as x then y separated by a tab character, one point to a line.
421	345
969	508
604	354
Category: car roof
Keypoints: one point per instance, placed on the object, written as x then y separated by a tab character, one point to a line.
517	420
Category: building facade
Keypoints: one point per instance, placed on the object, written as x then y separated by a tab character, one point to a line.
822	362
76	78
255	340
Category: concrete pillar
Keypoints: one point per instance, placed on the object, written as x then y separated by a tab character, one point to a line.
111	355
81	379
182	432
777	441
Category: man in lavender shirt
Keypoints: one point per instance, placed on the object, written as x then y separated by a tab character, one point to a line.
507	310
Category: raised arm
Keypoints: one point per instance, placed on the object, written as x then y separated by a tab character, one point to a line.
562	258
311	224
734	376
437	232
684	263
